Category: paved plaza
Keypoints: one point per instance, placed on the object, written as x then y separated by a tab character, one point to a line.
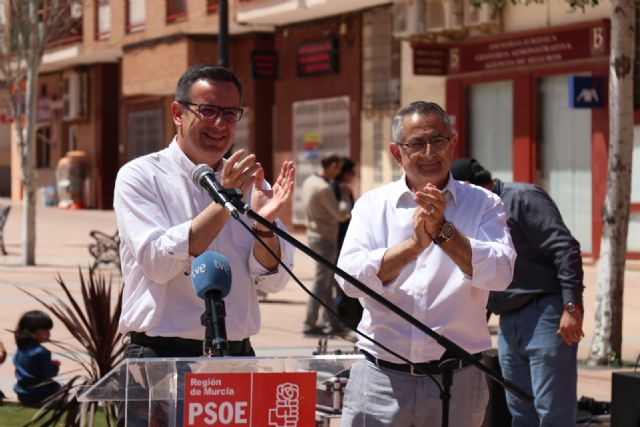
62	241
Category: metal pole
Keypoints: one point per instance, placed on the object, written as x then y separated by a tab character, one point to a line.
223	33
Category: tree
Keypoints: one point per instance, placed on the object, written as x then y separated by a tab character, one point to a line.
28	29
606	345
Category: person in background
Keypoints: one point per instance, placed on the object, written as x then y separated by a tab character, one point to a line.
349	309
434	247
3	357
324	213
541	310
34	367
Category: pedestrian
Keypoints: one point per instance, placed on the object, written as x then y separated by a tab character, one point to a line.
541	310
35	369
324	214
165	220
349	309
435	248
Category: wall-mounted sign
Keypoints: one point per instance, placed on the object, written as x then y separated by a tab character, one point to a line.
586	92
515	50
250	399
311	145
44	110
320	57
264	64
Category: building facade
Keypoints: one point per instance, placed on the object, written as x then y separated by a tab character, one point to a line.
327	76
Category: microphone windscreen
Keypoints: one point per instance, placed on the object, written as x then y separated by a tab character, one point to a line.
211	271
199	171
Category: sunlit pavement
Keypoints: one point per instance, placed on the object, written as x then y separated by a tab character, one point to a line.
63	238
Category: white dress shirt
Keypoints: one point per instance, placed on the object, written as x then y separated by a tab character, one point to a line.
155	201
431	288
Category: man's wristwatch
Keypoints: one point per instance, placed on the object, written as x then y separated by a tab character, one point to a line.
446	232
570	307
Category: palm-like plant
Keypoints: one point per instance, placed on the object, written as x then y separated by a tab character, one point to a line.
93	322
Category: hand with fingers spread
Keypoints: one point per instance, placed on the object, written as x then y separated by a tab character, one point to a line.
239	171
270	202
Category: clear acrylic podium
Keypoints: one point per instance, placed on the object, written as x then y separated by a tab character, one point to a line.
152	391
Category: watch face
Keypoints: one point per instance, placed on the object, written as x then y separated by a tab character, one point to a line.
447	230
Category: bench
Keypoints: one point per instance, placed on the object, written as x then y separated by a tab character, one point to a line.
106	249
4	214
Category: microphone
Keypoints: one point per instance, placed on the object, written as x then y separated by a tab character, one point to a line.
211	279
204	176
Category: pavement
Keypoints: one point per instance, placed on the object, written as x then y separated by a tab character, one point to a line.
62	239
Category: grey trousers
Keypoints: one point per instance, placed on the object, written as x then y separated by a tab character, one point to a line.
323	285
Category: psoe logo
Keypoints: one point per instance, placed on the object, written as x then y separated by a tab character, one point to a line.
287	410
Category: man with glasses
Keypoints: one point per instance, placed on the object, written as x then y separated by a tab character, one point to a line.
165	220
435	248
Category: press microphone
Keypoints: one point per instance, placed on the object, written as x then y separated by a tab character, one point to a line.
204	176
211	279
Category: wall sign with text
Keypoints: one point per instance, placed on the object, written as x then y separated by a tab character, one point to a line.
526	49
320	57
281	399
264	64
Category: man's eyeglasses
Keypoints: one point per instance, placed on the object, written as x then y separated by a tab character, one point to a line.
437	144
211	112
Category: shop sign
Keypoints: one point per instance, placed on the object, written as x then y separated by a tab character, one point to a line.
523	50
320	57
311	144
586	92
250	399
44	112
264	64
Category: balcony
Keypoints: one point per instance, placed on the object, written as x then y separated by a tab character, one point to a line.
280	12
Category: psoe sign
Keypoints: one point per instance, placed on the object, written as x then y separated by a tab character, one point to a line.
250	399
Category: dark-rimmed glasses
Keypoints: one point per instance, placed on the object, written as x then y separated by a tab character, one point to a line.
439	143
211	112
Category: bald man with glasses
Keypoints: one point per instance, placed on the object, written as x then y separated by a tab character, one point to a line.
435	248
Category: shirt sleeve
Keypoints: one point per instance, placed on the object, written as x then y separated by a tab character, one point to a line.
271	281
161	250
361	256
492	253
46	366
541	223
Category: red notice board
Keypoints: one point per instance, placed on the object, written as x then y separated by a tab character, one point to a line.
280	399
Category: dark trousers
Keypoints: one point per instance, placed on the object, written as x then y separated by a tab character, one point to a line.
144	413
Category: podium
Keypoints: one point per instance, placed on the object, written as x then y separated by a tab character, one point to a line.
226	391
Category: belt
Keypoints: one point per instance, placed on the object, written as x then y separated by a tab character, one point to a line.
193	346
419	369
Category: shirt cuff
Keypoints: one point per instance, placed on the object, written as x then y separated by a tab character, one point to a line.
175	242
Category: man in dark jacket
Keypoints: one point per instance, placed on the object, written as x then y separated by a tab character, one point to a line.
541	310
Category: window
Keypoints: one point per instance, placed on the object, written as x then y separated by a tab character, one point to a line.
636	68
43	149
320	127
136	15
144	131
213	6
176	9
103	19
380	61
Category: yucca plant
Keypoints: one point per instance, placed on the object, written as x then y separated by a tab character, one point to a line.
93	322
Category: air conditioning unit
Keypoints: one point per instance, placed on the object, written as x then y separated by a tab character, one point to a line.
75	95
479	16
408	17
443	15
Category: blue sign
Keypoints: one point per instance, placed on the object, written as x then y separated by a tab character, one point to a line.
586	92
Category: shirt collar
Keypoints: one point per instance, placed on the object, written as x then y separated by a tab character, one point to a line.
399	189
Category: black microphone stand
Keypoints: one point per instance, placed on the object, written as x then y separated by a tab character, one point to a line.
215	336
452	349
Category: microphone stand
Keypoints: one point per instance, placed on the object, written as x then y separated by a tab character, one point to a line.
452	349
215	343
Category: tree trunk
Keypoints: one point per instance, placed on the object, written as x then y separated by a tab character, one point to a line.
607	340
28	169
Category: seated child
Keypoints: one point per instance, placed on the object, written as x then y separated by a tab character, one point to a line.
34	368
